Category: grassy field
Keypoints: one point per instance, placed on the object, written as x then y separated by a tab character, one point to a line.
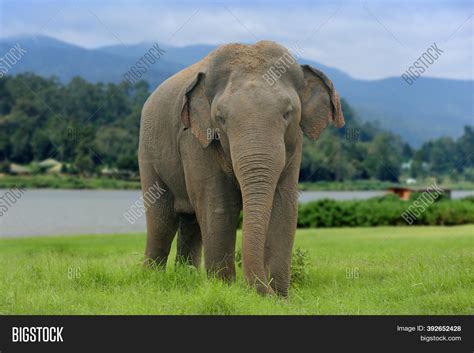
66	182
42	181
363	185
389	270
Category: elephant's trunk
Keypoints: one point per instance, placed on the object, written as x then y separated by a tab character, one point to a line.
257	166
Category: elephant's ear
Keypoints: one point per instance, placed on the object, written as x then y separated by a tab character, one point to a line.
196	110
319	103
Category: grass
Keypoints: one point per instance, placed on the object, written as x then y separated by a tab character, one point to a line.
66	182
347	185
75	182
386	270
372	185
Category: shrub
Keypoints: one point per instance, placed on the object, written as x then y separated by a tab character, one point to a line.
300	263
238	258
382	211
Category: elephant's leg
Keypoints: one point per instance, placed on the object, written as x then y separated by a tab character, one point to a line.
219	228
281	233
217	202
161	218
189	246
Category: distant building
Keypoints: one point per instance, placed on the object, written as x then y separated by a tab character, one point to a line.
404	193
19	169
411	181
50	166
116	173
406	166
48	163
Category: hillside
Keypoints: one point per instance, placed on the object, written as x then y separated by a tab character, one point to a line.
428	109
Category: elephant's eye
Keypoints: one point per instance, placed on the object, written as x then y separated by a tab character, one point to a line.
220	117
287	115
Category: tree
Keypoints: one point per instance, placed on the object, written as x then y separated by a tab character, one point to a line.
384	158
96	124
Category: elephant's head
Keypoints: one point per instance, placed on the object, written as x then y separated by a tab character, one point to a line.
259	123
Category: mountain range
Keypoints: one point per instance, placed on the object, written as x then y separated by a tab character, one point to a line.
428	109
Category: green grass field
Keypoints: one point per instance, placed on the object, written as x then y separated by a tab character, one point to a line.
405	270
65	182
41	181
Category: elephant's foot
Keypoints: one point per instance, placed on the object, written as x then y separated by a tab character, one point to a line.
221	268
264	289
280	281
158	262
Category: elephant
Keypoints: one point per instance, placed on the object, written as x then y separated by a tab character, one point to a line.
220	137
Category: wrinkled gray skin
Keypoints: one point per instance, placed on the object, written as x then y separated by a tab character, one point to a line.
252	163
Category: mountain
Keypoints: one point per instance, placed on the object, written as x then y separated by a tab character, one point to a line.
428	109
49	57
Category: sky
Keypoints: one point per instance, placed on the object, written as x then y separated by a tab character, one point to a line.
368	40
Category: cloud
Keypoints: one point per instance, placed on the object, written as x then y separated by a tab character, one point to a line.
371	41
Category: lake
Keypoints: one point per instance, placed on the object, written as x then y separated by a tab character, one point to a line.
66	212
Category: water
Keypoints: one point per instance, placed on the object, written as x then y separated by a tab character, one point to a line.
63	212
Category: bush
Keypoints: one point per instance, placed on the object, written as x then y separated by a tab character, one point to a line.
300	263
238	257
382	211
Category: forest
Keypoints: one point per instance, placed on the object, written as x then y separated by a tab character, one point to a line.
89	127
